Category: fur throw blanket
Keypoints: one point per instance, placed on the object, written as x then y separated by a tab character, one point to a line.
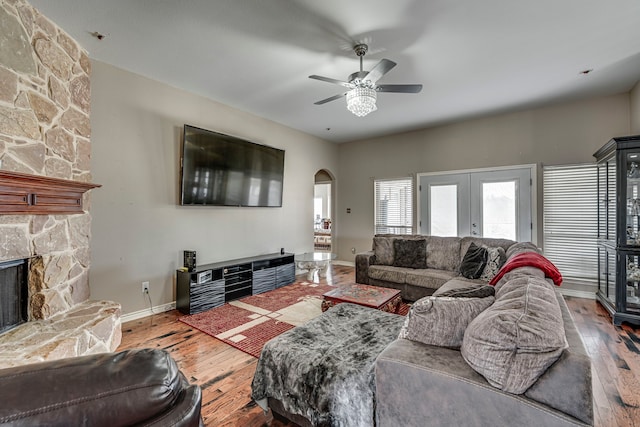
324	369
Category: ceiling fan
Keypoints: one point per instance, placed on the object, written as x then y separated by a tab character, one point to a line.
362	93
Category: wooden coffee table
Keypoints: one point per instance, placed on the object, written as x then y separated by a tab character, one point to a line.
385	299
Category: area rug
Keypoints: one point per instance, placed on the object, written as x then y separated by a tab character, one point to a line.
248	323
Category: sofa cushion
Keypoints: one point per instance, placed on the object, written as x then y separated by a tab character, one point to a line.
471	291
389	273
489	242
514	341
443	253
496	257
572	371
473	262
442	321
428	277
519	272
383	250
458	282
521	247
410	253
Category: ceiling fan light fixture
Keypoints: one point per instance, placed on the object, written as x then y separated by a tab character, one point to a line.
362	101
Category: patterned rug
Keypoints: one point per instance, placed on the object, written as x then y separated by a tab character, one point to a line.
248	323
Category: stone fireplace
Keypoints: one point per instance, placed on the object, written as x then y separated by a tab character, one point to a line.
45	132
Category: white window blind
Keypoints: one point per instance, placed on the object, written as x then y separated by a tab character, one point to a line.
571	220
393	206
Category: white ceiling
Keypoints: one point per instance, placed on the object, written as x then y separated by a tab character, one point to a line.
473	57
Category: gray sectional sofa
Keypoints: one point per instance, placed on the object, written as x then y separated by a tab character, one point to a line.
380	266
417	382
520	361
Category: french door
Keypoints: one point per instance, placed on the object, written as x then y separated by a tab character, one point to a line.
486	203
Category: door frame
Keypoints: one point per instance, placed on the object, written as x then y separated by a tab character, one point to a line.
332	201
533	167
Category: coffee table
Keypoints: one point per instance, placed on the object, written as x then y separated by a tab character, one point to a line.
314	261
384	299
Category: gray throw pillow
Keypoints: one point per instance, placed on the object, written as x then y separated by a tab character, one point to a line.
441	321
383	250
410	253
473	262
496	257
514	341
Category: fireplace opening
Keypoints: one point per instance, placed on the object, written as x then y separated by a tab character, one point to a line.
13	294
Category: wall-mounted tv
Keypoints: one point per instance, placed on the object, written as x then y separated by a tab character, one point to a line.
222	170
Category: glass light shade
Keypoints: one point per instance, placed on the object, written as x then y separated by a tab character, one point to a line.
361	101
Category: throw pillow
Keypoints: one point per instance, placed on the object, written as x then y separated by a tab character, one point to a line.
496	257
514	341
410	253
441	321
473	262
383	250
477	291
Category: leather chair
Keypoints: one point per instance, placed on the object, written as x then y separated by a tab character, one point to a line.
129	388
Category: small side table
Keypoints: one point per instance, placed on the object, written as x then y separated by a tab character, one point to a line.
314	261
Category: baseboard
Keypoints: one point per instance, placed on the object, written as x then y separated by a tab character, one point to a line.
148	312
578	294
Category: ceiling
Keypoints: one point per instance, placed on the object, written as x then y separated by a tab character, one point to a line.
473	57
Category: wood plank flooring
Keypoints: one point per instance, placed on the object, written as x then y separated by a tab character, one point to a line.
225	373
615	357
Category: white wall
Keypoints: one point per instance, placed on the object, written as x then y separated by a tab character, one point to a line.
634	105
139	230
561	134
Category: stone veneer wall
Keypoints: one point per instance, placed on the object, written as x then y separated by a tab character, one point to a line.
45	130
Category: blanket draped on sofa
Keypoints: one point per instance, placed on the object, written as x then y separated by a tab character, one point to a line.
324	369
530	259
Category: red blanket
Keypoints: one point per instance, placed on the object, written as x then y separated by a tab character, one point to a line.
530	259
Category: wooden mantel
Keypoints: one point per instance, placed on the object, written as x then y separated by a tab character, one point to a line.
40	195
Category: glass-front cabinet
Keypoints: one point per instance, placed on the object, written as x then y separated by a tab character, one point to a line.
619	228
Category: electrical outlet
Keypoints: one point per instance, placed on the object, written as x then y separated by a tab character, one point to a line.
145	287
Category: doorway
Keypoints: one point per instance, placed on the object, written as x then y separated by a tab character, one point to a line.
483	203
322	208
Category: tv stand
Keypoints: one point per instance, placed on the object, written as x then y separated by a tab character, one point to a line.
212	285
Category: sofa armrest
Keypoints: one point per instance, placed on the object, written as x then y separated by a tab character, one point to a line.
111	389
419	384
363	261
186	410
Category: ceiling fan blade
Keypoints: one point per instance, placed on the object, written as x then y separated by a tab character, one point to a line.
381	68
333	98
330	80
399	88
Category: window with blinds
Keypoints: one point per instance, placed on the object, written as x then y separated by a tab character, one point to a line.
571	220
393	206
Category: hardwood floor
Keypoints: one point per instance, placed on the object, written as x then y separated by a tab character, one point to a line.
225	373
615	357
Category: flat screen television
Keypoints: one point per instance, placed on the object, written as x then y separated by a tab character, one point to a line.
222	170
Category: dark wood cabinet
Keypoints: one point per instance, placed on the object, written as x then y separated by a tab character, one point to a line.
212	285
619	228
